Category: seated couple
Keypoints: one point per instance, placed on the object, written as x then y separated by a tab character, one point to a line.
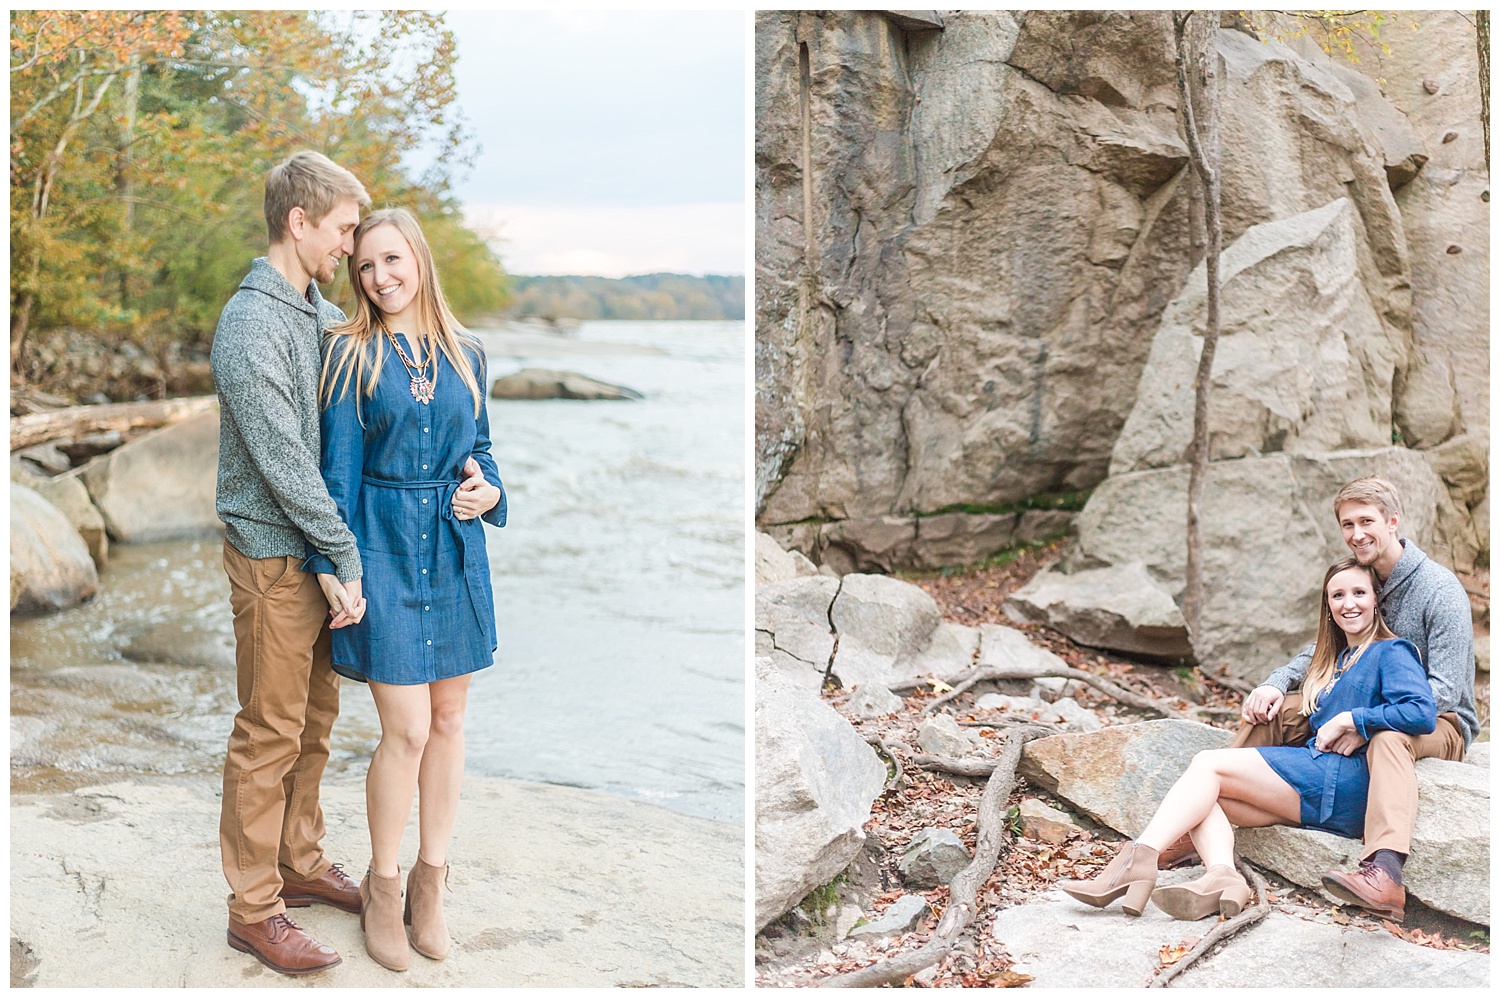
1389	680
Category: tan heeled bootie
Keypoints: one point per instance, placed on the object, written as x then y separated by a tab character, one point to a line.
380	918
424	909
1221	891
1132	873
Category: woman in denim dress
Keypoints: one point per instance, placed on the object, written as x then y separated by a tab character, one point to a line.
1363	679
403	422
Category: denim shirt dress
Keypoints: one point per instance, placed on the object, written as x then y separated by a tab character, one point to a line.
392	466
1386	690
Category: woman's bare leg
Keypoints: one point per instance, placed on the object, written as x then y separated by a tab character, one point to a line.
442	769
1221	775
1213	837
405	719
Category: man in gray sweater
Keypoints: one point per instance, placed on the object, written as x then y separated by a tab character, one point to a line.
271	497
1424	603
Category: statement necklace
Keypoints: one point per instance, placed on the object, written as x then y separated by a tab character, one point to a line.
421	385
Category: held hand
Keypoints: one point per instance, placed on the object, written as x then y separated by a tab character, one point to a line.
475	496
1261	705
346	605
1338	734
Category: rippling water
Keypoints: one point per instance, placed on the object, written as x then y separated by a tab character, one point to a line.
619	588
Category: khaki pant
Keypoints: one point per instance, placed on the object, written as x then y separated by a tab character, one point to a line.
271	822
1392	756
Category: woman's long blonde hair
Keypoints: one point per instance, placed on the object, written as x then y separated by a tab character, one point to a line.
1332	640
348	354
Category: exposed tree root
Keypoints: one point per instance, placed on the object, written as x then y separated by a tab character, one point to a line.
964	889
1223	930
895	781
968	679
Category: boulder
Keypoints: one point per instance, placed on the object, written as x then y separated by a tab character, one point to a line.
68	494
1075	715
1120	607
50	566
1269	611
901	915
1448	868
873	700
772	564
867	544
1304	364
159	486
815	779
792	628
538	383
950	651
43	458
1046	823
882	624
1118	775
942	735
933	858
1007	647
1064	944
1029	708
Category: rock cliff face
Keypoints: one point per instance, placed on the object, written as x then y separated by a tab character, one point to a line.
975	282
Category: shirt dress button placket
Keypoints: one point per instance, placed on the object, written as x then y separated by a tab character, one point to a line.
429	518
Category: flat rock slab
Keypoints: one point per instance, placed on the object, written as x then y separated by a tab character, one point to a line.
541	383
120	886
1062	943
1119	607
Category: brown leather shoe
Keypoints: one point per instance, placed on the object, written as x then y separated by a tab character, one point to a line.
334	887
278	943
1179	853
1369	887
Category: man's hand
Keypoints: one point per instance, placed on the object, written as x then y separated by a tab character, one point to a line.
1338	734
475	496
345	601
1261	705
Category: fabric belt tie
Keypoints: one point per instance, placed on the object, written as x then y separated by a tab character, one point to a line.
455	529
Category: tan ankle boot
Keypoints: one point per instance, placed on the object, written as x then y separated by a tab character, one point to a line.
424	909
380	918
1221	891
1132	873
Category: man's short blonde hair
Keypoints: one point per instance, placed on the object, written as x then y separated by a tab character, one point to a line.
1371	491
310	181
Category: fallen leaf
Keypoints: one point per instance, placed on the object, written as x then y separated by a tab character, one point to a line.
1009	979
1171	954
938	686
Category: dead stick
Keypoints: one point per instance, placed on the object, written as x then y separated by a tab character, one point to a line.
964	889
1223	930
958	767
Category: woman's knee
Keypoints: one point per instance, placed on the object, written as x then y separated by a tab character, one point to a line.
447	721
405	739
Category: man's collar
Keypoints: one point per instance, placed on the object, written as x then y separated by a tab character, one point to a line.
267	279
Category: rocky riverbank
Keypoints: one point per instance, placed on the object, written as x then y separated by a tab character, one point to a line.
859	830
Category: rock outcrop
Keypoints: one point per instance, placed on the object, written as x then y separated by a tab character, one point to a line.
974	265
815	779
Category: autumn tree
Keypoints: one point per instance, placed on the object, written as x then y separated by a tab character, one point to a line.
140	141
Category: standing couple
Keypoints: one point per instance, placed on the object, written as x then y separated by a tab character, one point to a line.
1389	680
354	459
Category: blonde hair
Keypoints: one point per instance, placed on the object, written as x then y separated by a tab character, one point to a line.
1332	641
354	350
310	181
1371	491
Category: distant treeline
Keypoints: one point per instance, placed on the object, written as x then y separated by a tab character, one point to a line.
649	296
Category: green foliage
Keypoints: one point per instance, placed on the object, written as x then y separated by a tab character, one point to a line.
140	141
1072	501
649	296
821	900
1013	821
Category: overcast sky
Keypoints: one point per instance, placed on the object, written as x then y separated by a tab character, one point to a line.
613	142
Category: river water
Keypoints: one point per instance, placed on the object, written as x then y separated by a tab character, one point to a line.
619	589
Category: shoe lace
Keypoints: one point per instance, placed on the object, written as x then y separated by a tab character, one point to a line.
280	926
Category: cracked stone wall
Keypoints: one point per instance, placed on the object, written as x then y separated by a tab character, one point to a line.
966	239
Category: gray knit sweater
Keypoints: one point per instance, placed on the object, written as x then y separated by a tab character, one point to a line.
1424	603
266	361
